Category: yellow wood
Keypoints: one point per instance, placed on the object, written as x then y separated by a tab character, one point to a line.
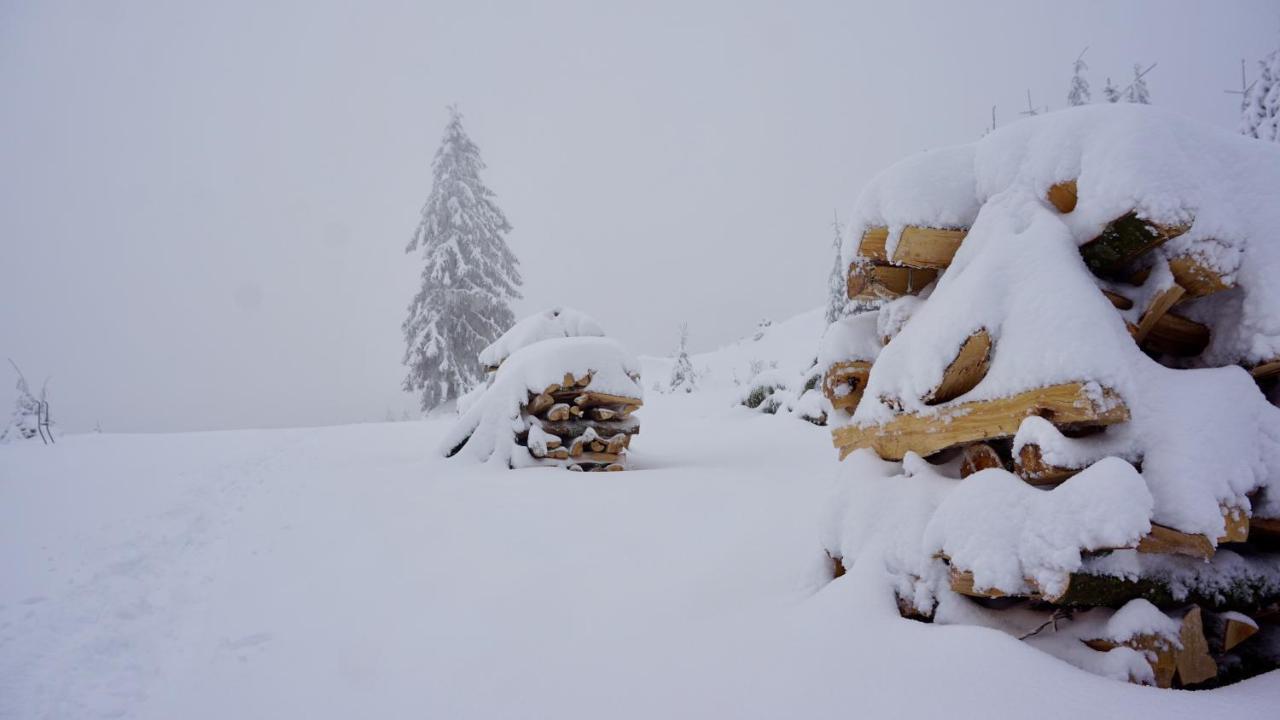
977	457
1063	196
1195	665
873	242
927	247
970	422
1265	370
852	374
1156	309
1237	632
1196	277
962	582
965	371
1237	525
1159	651
1031	467
879	281
1167	541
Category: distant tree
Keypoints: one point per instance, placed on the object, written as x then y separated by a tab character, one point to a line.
1111	92
1137	91
683	376
1079	92
24	423
469	278
837	298
1260	114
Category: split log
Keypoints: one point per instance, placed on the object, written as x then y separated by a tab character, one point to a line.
598	445
1124	240
574	428
1238	629
1177	336
614	467
1237	525
1067	405
602	458
1063	196
1195	665
918	247
1167	541
961	582
1196	277
1266	369
575	411
1264	530
979	456
559	453
558	412
1159	651
616	443
966	370
878	281
1031	467
1119	301
585	399
844	382
602	413
539	403
1156	309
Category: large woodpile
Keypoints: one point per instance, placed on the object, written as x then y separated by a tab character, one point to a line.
570	424
1211	636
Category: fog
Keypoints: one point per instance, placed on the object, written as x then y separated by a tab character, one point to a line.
204	206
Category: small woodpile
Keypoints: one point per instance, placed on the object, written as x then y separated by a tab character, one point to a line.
1149	289
570	424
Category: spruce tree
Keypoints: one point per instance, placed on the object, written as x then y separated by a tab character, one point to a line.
1110	92
1137	91
836	292
469	276
24	423
683	376
1079	92
1261	112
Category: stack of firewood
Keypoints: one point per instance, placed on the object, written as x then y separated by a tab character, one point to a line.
980	435
571	425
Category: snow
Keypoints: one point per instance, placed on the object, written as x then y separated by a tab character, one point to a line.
490	422
558	322
1009	533
352	572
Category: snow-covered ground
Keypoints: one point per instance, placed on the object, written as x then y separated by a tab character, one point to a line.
351	572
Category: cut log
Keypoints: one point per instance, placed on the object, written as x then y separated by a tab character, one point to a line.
1156	309
1177	336
979	456
1266	369
1264	530
558	412
616	443
559	453
1195	665
1124	240
1238	629
602	413
918	247
574	428
598	445
539	403
1067	405
962	582
1119	301
877	281
1031	467
614	467
602	458
575	411
1237	525
966	370
1196	277
844	382
589	398
1167	541
1063	196
569	381
1159	651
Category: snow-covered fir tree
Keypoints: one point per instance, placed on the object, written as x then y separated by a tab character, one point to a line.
1261	109
24	423
836	293
683	376
1111	92
761	327
1137	91
469	277
1079	92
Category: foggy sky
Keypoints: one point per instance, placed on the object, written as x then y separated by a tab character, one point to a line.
204	206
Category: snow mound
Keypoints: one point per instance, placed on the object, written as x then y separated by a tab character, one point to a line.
558	322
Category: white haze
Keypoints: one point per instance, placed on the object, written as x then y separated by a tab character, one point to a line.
203	206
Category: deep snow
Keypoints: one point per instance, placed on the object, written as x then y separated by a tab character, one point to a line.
352	572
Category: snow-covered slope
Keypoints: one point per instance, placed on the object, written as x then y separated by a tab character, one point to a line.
790	346
351	572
